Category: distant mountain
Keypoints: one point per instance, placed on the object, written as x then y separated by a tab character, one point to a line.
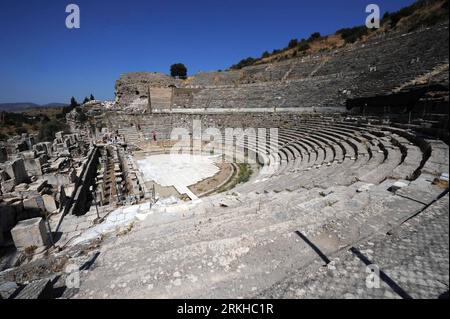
21	107
54	105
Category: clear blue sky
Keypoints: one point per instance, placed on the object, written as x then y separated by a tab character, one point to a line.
42	61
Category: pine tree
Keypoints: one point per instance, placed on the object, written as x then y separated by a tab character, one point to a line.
73	103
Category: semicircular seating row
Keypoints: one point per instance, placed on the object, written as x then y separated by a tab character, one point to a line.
324	152
331	181
332	153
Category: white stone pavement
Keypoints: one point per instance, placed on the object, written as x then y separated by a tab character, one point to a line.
178	170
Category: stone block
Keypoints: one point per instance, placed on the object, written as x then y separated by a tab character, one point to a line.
21	187
28	154
61	179
7	186
39	289
49	203
45	147
57	164
16	170
33	166
59	135
37	186
11	200
69	190
7	289
34	203
30	232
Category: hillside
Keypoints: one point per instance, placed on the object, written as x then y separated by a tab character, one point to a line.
24	106
423	13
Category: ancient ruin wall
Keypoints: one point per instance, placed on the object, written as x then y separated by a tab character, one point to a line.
326	80
132	89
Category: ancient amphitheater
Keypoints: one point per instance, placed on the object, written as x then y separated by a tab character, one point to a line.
351	170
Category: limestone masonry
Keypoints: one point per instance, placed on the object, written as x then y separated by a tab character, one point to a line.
379	66
299	175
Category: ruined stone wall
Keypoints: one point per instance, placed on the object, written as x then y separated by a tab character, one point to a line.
325	80
79	203
132	88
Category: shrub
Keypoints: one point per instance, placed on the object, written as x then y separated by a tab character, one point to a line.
314	36
48	130
293	43
265	55
245	172
20	130
303	46
351	35
44	118
243	63
407	11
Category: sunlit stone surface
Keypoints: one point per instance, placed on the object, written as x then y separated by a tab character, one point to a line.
178	170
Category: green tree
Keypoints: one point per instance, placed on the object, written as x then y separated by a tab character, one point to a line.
178	70
92	98
73	102
351	35
86	99
303	46
243	63
266	54
293	43
315	36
